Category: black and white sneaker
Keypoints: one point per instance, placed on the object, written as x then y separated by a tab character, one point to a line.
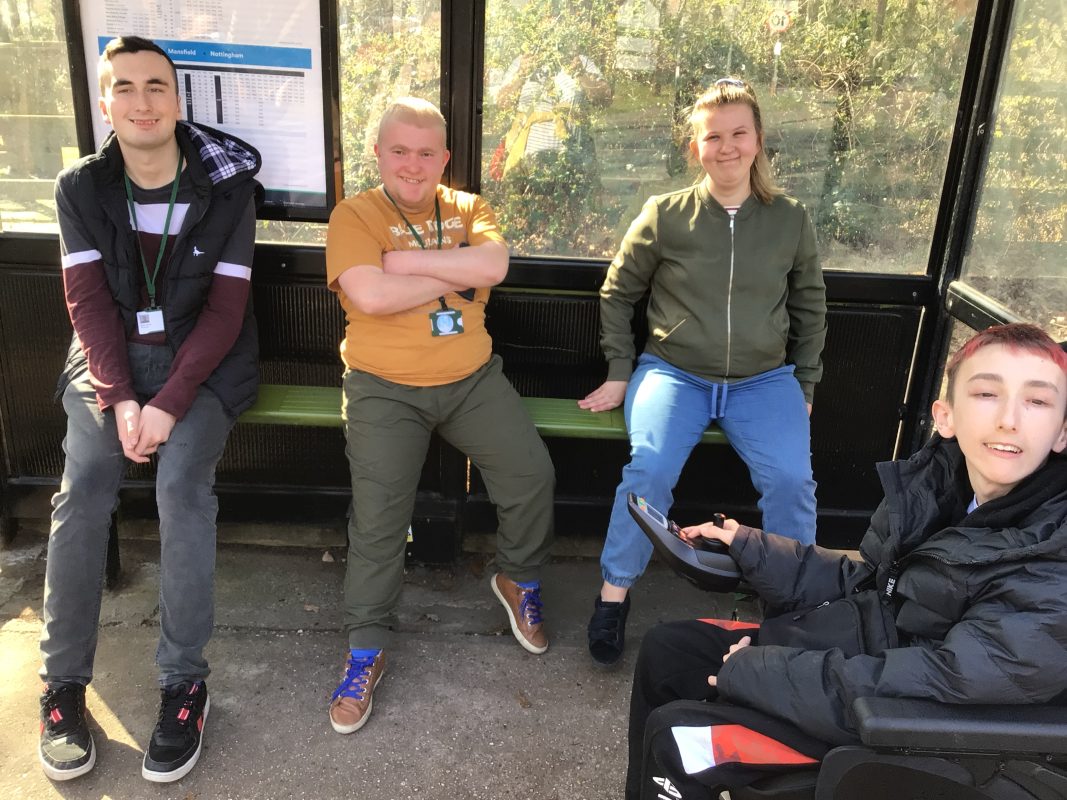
66	749
176	741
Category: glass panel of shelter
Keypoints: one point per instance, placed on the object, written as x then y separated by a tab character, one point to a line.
1016	253
858	98
37	133
386	50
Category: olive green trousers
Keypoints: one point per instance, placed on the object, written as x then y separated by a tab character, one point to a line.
388	428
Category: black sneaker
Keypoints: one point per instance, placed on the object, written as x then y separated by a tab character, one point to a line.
66	750
607	631
176	741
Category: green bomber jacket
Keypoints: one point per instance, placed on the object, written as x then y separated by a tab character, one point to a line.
728	299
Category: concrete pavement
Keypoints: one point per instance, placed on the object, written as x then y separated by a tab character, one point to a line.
463	711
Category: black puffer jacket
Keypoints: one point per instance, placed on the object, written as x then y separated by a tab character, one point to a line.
969	613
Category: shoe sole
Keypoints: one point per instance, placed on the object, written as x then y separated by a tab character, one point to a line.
69	774
346	729
526	643
184	769
605	665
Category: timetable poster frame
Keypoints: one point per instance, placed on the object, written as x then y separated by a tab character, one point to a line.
262	70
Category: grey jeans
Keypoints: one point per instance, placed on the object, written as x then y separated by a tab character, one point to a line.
81	519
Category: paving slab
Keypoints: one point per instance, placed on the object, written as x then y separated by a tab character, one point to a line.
463	711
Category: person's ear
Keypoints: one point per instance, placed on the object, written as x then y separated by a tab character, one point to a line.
102	105
448	155
1061	441
943	421
694	149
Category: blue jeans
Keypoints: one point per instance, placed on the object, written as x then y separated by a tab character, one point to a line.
667	410
81	519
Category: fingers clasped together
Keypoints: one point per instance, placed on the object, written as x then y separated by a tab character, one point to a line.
141	430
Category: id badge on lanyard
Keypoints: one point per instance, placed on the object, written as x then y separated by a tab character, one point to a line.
150	320
444	321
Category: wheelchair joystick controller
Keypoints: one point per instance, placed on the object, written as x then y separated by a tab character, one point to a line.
704	562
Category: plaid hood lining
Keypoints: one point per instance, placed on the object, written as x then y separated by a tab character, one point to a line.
223	158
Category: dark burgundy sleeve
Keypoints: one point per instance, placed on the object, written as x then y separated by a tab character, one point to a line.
219	322
92	309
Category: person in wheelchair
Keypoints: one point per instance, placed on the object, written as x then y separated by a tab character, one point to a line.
958	597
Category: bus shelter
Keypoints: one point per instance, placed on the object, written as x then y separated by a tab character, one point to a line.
925	139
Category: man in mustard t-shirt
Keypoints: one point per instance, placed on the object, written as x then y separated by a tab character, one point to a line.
412	262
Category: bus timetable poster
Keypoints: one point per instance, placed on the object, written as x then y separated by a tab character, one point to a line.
252	68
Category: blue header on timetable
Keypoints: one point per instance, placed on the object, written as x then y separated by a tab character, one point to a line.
250	55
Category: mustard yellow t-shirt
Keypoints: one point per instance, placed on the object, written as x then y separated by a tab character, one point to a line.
399	347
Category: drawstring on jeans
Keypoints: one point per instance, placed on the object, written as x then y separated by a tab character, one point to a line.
719	391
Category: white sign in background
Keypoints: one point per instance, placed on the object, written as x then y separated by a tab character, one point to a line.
252	68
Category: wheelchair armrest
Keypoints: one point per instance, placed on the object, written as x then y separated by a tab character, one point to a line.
896	723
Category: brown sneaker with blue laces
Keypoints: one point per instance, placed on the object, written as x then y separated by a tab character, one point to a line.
523	604
353	699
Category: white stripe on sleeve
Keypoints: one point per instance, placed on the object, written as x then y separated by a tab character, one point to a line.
81	257
233	270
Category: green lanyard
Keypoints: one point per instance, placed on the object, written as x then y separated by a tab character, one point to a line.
150	280
437	215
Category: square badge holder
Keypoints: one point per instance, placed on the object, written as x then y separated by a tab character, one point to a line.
446	322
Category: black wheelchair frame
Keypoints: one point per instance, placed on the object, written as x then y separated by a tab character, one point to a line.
916	749
911	749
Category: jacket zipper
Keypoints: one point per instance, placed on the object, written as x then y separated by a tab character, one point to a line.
898	566
729	302
183	235
891	582
803	614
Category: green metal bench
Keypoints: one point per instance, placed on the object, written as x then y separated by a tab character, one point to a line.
320	406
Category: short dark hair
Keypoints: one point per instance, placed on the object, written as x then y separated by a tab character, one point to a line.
1017	336
129	44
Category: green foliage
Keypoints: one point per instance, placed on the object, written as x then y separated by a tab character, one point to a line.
386	50
36	111
34	78
859	118
858	125
1020	226
866	96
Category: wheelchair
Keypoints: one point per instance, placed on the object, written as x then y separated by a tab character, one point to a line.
910	749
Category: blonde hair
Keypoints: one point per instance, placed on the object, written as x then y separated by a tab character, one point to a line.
733	91
414	111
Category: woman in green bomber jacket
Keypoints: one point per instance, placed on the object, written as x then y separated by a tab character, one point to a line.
736	324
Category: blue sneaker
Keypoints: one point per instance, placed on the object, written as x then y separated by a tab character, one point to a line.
353	699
